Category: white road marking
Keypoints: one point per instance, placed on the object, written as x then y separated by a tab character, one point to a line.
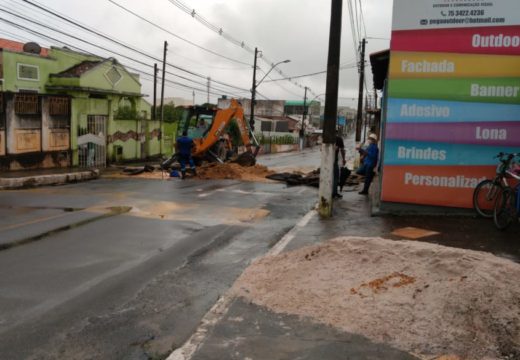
280	245
221	307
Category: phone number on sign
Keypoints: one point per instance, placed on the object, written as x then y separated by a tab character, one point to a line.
463	13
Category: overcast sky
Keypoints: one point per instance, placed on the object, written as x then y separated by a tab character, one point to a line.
282	29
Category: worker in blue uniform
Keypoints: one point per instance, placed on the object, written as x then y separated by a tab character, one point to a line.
370	162
184	147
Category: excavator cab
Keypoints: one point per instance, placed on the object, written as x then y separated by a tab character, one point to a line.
207	131
196	121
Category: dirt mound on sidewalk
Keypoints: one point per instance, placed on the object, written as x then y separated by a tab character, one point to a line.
422	298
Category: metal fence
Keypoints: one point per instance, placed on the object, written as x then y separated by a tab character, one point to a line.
92	142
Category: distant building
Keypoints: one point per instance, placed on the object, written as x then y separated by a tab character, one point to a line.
177	101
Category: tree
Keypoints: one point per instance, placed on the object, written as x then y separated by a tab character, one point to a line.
171	113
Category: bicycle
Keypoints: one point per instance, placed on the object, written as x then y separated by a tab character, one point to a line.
487	191
507	204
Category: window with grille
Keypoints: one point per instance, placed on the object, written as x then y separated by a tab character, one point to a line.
26	104
59	106
282	126
28	72
266	126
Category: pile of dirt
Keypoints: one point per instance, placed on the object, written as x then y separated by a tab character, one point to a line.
208	171
422	298
215	171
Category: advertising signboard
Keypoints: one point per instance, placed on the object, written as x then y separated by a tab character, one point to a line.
453	98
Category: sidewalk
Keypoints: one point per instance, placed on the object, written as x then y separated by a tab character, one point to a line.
42	177
238	328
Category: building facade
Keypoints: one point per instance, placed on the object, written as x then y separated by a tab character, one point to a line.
61	108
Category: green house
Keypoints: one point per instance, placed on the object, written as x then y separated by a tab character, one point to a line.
63	108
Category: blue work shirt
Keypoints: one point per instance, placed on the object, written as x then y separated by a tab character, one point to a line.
372	154
184	144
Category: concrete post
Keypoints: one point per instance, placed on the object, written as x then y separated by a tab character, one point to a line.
326	179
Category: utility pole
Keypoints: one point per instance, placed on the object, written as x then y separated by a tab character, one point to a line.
365	119
193	98
360	95
162	99
209	85
253	95
331	112
302	129
154	113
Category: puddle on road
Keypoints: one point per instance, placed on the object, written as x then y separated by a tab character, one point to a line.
203	214
413	233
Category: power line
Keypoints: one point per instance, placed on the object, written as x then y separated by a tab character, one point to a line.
129	67
351	66
82	40
177	36
217	29
210	26
362	19
121	44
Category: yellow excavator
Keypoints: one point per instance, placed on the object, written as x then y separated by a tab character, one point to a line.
209	130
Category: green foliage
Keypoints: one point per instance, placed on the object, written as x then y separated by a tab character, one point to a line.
125	113
209	105
277	140
234	133
171	113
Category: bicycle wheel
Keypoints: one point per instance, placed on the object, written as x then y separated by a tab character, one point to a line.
504	212
484	197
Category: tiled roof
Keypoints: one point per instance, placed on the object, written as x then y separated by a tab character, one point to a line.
79	69
18	46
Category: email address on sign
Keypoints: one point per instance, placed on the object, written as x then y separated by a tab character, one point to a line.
467	20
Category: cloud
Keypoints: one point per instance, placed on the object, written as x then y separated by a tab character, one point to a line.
282	29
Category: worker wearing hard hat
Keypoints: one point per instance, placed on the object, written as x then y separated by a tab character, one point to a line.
370	162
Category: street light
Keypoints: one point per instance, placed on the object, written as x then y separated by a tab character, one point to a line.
271	69
255	85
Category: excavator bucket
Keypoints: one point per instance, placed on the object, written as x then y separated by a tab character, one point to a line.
246	159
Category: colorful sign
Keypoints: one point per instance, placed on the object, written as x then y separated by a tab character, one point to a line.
439	14
503	40
453	98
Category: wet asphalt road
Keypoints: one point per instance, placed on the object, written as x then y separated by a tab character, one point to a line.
135	284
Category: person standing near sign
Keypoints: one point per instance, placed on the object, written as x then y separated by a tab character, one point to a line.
371	154
340	149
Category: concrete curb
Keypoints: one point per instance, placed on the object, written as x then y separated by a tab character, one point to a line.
42	180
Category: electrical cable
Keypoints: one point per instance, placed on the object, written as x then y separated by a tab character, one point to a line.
210	26
351	66
120	43
179	4
91	54
177	36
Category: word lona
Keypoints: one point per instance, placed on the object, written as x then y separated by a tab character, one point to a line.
490	134
424	66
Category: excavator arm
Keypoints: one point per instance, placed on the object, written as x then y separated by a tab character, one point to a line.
206	139
223	118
